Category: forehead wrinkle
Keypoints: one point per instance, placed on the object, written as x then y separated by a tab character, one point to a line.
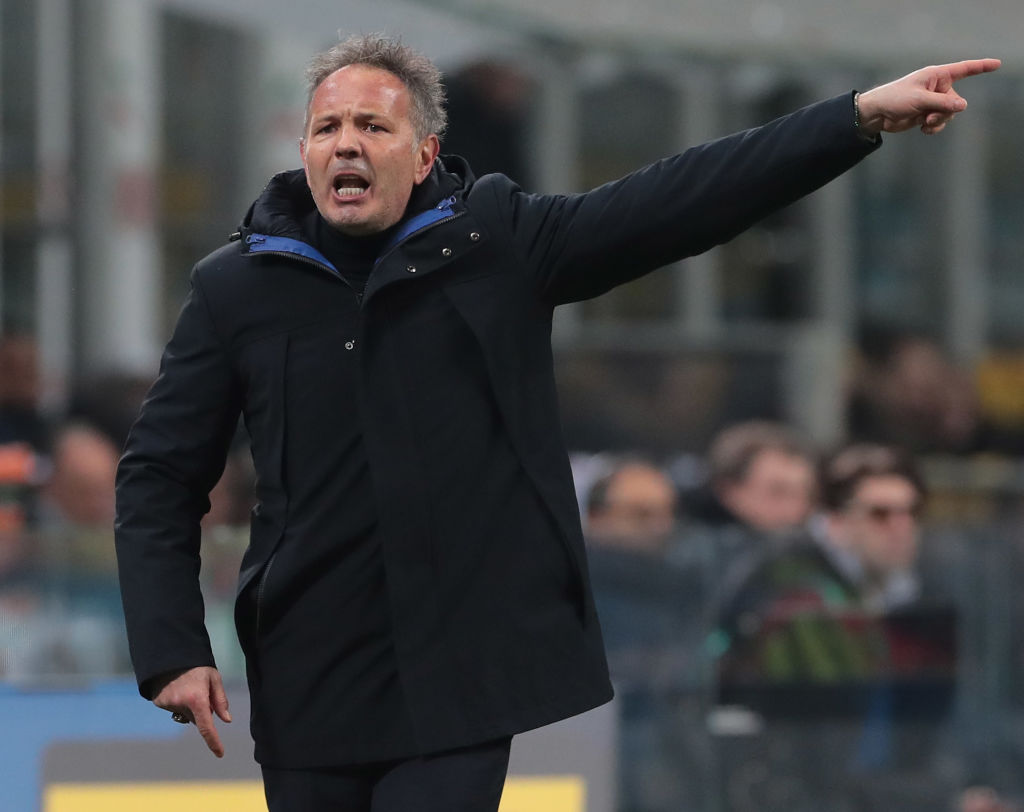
389	90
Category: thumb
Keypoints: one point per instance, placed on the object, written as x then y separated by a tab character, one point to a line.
219	699
948	102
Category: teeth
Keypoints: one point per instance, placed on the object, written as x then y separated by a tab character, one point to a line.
349	191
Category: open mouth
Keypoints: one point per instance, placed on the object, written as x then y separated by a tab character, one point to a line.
350	185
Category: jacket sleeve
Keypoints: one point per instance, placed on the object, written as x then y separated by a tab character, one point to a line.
174	455
582	245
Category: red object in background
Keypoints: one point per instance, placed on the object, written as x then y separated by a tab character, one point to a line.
19	471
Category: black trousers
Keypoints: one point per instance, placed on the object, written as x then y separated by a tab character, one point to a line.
466	780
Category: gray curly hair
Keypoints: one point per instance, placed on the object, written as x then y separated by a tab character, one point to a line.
417	73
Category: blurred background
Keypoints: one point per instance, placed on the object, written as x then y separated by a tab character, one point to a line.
884	308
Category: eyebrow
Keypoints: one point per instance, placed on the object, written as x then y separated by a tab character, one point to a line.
359	114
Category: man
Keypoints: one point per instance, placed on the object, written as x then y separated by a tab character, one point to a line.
71	567
760	491
762	475
651	613
632	507
870	533
415	590
80	489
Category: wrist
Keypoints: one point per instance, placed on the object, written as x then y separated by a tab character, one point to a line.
862	120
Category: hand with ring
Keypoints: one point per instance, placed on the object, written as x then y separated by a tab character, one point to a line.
194	696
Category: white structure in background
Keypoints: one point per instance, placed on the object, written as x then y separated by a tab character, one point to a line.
117	204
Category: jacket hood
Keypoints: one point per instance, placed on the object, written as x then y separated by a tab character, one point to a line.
286	199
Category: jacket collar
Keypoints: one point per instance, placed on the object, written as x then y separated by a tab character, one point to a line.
257	243
277	214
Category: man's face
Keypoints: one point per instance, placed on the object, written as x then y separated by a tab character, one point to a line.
880	524
360	151
82	482
777	493
639	510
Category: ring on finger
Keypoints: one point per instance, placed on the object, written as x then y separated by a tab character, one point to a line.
179	717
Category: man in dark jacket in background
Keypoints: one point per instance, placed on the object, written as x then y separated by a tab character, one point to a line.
415	591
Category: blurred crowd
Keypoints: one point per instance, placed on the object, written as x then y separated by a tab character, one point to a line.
60	606
783	630
785	601
822	616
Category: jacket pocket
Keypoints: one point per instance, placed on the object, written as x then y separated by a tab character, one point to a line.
261	596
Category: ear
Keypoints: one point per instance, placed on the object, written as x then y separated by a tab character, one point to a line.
426	153
302	155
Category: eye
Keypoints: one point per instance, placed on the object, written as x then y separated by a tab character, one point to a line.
374	128
327	128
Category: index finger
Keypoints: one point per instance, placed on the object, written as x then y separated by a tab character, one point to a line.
971	67
203	719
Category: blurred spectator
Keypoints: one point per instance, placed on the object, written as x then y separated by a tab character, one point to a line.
873	496
845	605
24	438
761	476
80	489
859	555
838	625
984	799
758	492
652	619
79	628
906	390
21	469
20	419
633	507
631	516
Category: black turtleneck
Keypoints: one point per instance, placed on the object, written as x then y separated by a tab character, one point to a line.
353	257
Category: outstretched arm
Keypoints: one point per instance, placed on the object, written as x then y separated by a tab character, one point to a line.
924	98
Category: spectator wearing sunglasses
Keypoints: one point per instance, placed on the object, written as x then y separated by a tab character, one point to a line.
870	529
858	558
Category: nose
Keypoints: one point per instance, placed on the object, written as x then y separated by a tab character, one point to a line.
348	144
